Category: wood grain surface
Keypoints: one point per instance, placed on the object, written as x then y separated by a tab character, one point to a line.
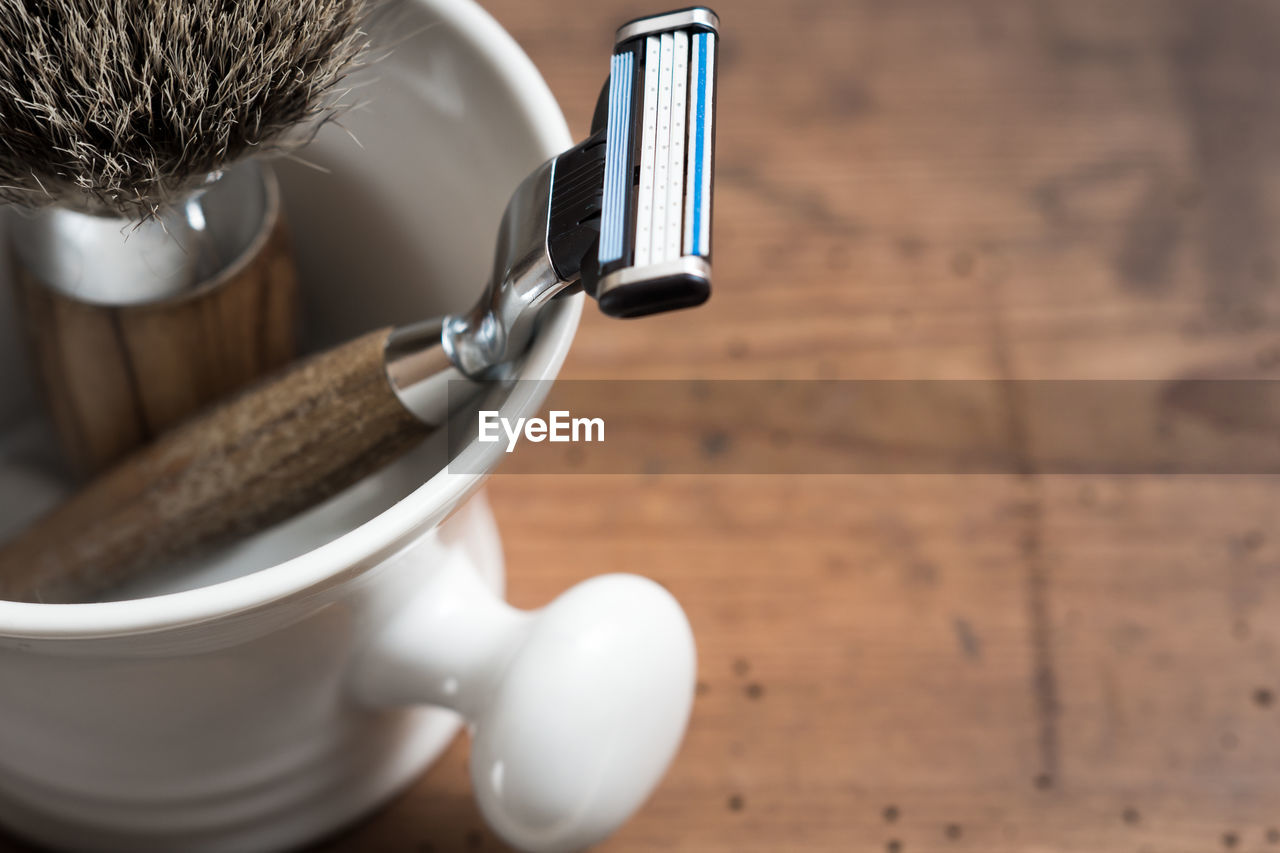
946	189
943	189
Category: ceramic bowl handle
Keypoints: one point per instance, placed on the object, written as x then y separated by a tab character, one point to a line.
576	709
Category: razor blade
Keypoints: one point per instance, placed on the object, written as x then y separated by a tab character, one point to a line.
654	138
626	213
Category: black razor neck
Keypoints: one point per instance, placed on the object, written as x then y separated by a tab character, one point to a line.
577	193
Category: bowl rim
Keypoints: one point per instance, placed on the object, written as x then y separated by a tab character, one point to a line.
379	537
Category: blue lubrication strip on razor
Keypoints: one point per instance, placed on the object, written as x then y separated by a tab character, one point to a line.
615	158
699	125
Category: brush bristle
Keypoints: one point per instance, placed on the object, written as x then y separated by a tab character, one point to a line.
125	106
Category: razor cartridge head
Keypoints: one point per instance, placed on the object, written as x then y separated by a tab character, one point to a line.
625	213
657	112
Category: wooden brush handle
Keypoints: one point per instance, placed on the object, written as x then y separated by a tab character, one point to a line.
278	448
116	376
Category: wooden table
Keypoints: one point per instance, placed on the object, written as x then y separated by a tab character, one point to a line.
1030	662
943	189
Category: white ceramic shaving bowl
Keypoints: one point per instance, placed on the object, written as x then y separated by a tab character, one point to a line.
264	697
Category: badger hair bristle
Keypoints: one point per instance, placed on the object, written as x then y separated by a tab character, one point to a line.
125	106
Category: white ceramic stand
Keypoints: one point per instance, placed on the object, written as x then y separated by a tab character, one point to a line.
575	710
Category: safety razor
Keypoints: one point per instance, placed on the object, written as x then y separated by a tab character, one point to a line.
625	215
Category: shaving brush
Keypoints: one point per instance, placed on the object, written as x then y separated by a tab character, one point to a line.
150	252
